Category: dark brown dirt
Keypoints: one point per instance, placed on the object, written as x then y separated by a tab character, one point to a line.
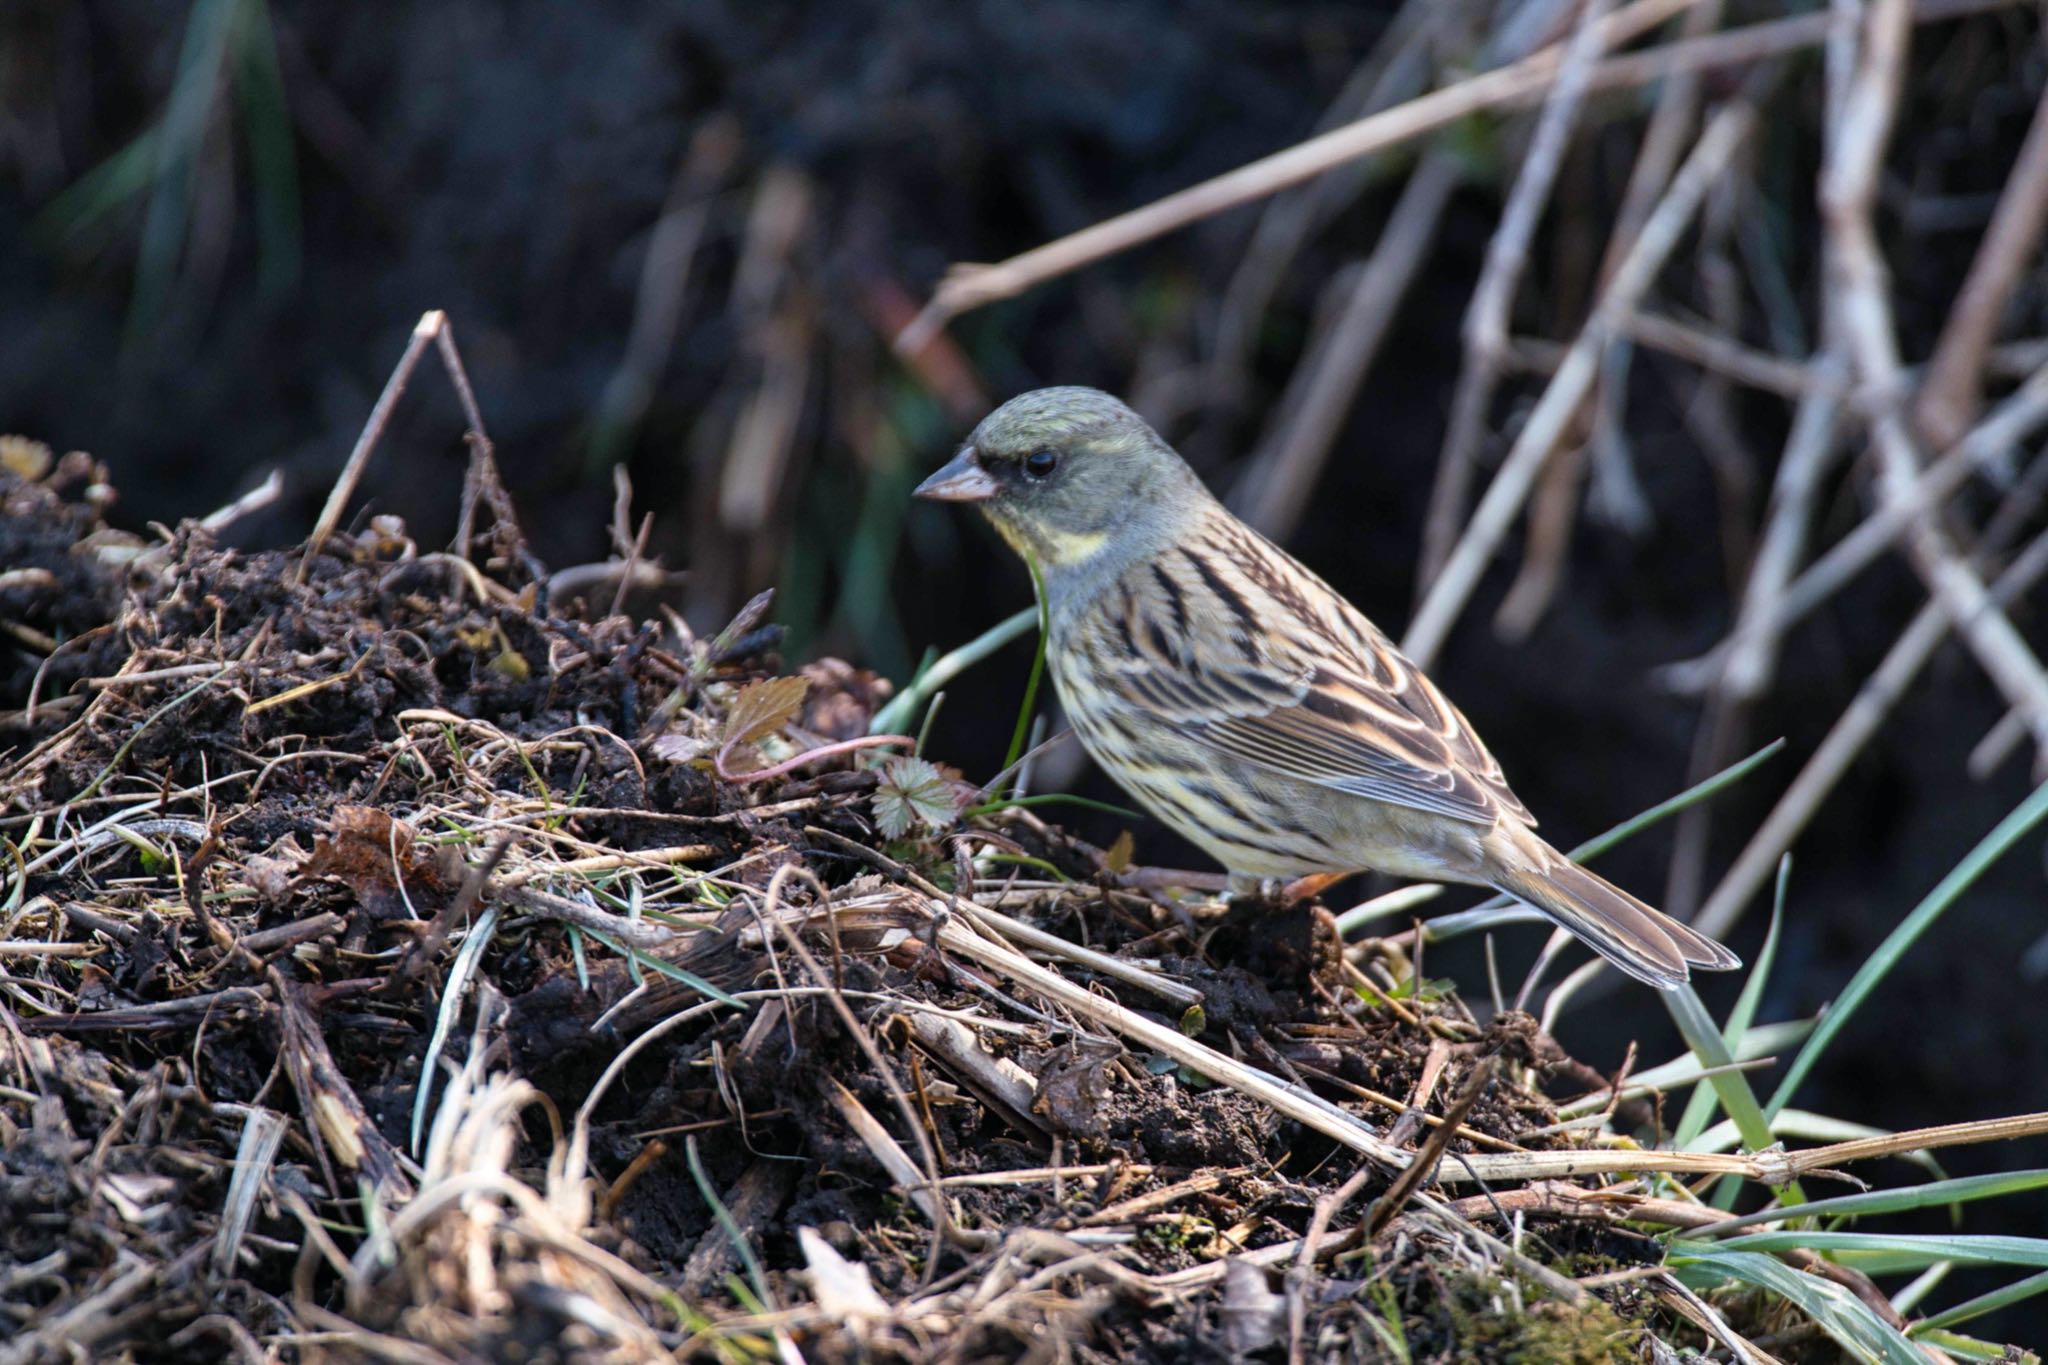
322	774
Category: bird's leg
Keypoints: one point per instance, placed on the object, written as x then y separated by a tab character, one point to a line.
1250	897
1243	886
1277	894
1311	886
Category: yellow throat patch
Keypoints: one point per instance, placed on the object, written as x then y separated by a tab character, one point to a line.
1047	546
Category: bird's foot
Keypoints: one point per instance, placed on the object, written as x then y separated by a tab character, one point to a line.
1275	893
1309	887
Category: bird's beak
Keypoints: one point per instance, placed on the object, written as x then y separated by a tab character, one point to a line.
962	479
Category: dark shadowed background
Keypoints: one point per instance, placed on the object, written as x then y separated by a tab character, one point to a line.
680	237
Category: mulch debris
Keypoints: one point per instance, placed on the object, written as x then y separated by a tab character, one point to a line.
728	1051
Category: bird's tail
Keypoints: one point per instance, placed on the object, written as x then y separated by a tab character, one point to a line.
1647	944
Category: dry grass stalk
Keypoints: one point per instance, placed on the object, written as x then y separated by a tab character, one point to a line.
1276	485
1853	730
2013	421
1848	200
971	287
1449	591
1485	330
1951	393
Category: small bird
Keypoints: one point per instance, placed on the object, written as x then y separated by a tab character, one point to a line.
1245	703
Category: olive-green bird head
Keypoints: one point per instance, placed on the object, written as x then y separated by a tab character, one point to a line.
1064	472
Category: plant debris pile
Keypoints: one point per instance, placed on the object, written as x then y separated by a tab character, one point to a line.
411	956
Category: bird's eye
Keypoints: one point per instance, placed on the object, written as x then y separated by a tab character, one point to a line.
1040	463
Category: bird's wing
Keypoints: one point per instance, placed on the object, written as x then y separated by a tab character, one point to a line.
1247	652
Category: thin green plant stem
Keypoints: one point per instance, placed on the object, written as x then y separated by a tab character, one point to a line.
728	1224
582	960
924	731
669	970
1396	902
1026	860
1925	1283
1879	964
1959	1347
1834	1309
1699	1111
457	985
1758	1048
210	32
1052	799
121	754
87	201
1881	1253
895	717
1746	1003
18	891
1024	713
274	166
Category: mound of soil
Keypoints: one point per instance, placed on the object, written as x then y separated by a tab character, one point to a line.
409	955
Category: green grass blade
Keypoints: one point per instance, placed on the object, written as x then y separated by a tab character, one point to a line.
1880	963
669	970
1399	901
924	729
1664	810
1925	1283
1053	799
1492	915
167	215
457	986
1732	1087
1744	1013
1884	1253
115	181
1765	1040
1969	1348
1699	1110
729	1225
1853	1323
273	162
2013	1293
1933	1194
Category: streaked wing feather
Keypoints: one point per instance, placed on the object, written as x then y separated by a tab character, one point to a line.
1347	766
1253	656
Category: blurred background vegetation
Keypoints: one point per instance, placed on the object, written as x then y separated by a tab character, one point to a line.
682	236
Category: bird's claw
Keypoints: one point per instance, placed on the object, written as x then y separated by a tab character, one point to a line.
1276	893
